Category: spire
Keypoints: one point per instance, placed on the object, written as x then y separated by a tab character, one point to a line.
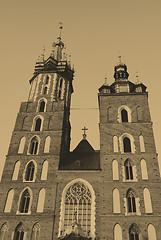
58	46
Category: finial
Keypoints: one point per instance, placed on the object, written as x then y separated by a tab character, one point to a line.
84	134
137	78
60	29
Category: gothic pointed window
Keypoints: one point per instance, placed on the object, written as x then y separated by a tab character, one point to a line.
142	146
115	144
35	235
25	202
116	201
128	170
21	145
25	123
45	90
42	106
134	232
16	170
147	201
3	231
41	201
151	232
38	124
115	170
127	144
19	232
109	114
44	170
78	205
30	171
117	232
9	201
131	202
144	172
124	115
34	145
47	144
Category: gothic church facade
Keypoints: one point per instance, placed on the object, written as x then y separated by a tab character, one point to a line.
49	193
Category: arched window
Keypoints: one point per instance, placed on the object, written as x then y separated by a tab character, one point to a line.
78	203
142	146
41	200
24	123
25	201
3	231
34	144
51	123
151	232
45	90
124	115
47	144
115	144
115	170
44	170
21	145
16	170
116	201
144	172
38	124
47	80
35	235
9	201
42	106
117	232
139	113
134	232
131	202
147	201
30	172
19	232
128	170
127	144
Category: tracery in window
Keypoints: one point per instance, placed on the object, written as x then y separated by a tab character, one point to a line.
35	235
34	144
134	232
131	202
9	200
128	170
30	171
19	232
78	203
3	231
25	201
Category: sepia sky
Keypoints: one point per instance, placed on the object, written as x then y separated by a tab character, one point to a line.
95	32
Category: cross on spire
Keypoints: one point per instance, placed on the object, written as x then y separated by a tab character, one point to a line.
84	133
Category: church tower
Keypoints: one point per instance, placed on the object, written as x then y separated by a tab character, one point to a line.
51	193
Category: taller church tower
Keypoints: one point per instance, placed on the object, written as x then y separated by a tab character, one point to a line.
49	193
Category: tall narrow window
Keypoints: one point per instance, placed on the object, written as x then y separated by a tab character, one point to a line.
115	170
147	201
3	231
124	115
116	201
47	144
19	232
16	170
51	123
41	200
30	170
144	172
115	144
47	80
131	202
21	145
78	203
38	124
109	114
142	146
117	232
44	170
127	144
42	106
34	145
24	123
45	90
139	113
134	232
151	232
9	201
25	202
128	170
35	232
